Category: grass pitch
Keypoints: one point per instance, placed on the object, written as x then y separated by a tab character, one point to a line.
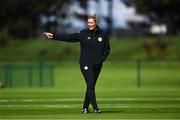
117	94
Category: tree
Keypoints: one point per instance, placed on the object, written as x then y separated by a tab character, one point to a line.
163	11
21	18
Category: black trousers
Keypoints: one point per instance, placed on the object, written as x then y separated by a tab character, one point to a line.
90	74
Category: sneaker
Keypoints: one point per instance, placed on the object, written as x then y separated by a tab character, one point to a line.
97	110
85	110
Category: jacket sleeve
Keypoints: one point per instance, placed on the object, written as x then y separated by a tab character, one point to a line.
107	48
67	38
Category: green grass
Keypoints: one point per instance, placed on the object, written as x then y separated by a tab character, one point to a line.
129	48
117	94
130	103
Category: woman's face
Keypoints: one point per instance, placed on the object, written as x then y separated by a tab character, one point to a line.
91	23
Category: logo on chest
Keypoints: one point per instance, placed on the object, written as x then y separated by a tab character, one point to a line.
100	39
88	38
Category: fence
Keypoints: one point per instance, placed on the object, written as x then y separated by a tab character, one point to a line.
158	73
132	73
27	74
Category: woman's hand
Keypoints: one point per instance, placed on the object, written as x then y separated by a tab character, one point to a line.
48	35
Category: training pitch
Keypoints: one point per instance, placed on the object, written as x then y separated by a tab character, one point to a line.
117	93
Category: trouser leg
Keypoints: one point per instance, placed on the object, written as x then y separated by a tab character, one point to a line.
86	100
91	76
96	72
87	72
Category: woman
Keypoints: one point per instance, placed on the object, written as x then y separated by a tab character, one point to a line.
95	48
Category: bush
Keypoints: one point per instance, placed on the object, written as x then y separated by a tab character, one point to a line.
4	38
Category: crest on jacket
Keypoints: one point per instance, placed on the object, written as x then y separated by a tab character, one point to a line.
100	39
88	38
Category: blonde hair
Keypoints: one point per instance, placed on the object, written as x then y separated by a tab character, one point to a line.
93	17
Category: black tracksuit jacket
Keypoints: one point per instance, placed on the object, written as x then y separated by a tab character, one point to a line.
95	45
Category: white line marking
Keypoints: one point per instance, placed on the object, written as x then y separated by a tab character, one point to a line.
94	119
103	105
81	99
